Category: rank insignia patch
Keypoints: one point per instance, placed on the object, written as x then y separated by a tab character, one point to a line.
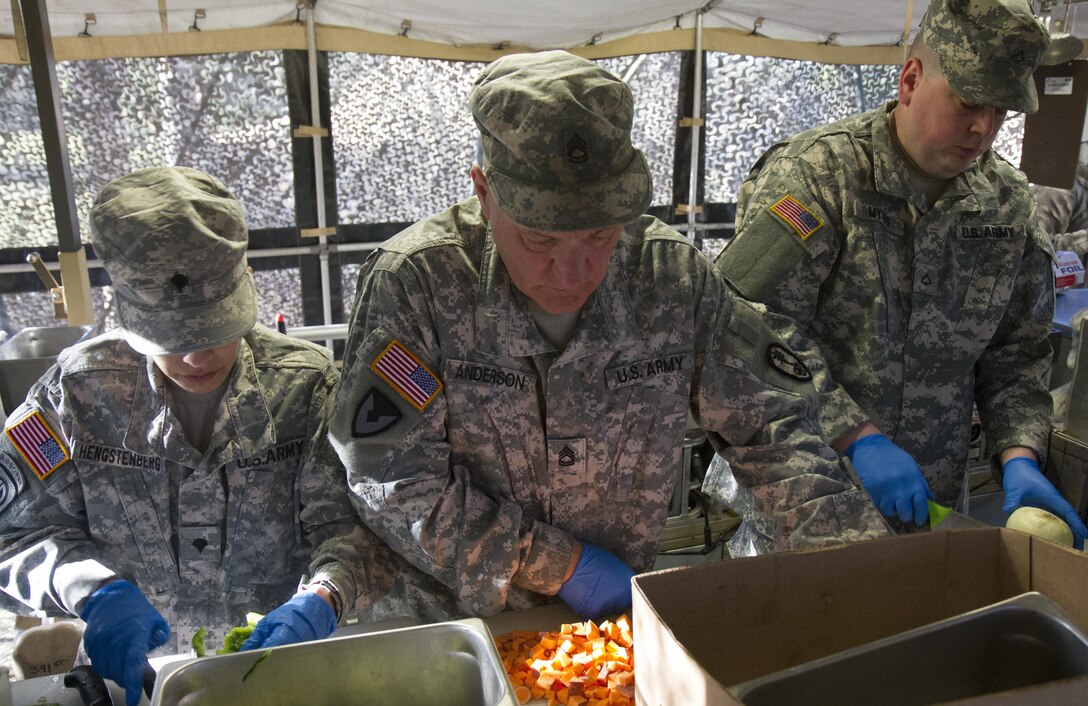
408	376
37	444
797	216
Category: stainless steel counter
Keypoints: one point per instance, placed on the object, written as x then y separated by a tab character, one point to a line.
51	690
1066	304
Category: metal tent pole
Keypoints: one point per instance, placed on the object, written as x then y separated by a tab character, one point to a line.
76	283
319	167
696	126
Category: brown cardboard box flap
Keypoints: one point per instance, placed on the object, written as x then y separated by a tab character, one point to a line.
699	629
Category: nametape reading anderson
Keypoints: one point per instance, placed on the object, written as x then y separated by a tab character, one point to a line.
488	375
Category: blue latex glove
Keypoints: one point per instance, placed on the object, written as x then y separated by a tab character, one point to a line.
122	627
891	477
307	616
599	586
1025	484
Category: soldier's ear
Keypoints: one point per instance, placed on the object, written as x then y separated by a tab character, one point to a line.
482	189
909	79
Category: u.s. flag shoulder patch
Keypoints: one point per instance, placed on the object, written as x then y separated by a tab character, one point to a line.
797	216
407	375
39	445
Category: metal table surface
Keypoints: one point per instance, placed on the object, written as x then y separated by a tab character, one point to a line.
1066	304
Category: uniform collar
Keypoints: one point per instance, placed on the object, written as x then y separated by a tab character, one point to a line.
246	429
890	171
505	327
151	429
250	428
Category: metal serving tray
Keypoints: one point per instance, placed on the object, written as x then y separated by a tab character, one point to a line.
1023	641
28	354
454	663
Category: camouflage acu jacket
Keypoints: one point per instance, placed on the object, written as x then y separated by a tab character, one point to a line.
114	489
482	477
919	312
1064	213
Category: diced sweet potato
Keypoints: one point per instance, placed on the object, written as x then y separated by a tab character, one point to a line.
624	677
581	664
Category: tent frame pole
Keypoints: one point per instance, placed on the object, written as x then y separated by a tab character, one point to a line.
75	289
696	126
319	167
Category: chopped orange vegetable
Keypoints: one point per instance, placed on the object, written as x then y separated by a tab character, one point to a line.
617	649
581	664
625	677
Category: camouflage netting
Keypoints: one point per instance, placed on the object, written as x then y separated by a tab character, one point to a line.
403	139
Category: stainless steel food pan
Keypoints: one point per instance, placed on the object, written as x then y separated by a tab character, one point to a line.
454	664
1023	641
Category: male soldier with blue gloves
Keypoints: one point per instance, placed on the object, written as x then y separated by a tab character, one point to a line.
520	368
908	250
175	474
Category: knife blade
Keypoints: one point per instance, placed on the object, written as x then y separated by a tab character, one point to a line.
149	679
941	517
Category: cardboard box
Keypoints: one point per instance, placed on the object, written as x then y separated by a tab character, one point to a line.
1067	469
699	629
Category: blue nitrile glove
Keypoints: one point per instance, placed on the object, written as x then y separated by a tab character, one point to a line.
891	477
122	627
599	586
1025	484
307	616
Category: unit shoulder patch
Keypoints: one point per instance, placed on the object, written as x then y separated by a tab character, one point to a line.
797	216
406	374
11	481
787	362
38	444
375	414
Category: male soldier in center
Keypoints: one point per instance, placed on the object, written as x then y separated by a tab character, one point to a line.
520	368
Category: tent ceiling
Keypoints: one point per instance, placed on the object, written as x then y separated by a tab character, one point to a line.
532	24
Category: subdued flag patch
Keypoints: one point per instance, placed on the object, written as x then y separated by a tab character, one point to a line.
797	216
408	376
37	444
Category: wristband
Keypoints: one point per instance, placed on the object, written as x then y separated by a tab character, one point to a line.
334	593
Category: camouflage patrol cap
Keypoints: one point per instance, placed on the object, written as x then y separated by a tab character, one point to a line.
988	50
556	132
173	241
